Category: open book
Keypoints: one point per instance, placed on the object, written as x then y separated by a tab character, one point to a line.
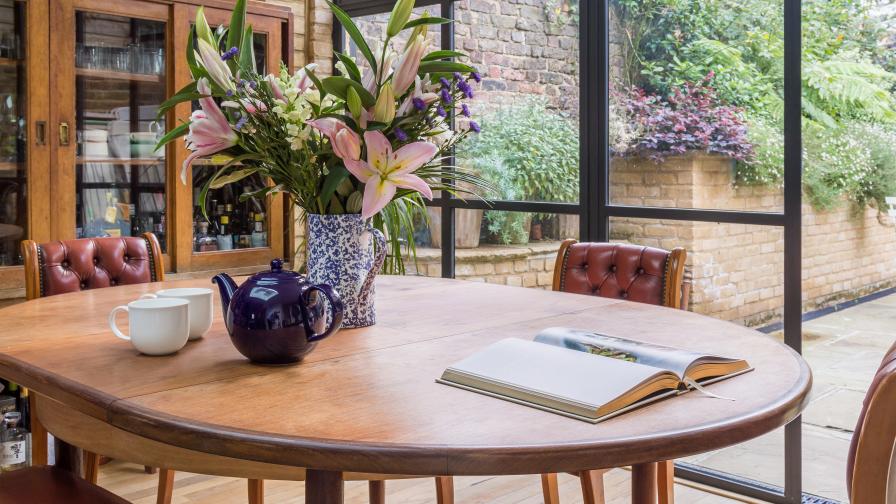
586	375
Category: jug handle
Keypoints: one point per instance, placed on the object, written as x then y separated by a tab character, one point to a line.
336	307
378	260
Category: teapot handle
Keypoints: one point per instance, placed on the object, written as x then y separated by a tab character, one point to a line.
336	307
378	259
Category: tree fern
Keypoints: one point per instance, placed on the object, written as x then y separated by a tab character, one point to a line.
845	89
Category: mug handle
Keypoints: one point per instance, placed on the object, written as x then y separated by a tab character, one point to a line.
336	307
148	296
378	259
114	326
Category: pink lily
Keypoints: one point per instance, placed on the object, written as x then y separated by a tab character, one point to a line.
345	142
252	105
408	64
275	88
210	132
303	82
385	171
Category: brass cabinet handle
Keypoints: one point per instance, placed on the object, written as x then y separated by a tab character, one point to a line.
63	133
40	132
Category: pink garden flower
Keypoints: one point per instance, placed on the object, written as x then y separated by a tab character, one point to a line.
385	171
345	142
210	132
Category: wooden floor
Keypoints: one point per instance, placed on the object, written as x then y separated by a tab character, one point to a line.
130	482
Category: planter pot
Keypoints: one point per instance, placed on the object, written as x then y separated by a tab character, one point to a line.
341	253
567	226
467	227
535	233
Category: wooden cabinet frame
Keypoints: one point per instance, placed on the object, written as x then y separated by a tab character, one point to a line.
50	167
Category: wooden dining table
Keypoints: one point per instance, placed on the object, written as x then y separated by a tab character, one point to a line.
365	404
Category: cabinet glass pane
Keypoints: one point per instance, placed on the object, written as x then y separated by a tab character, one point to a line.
228	223
13	209
120	82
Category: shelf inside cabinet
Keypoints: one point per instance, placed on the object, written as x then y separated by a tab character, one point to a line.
110	74
122	161
10	61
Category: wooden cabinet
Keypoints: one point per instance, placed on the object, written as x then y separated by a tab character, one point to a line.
80	86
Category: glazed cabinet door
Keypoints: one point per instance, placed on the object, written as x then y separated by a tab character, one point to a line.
24	150
111	74
236	233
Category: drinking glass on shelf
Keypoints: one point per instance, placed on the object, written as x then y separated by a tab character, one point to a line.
134	57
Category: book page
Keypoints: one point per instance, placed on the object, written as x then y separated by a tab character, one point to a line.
672	359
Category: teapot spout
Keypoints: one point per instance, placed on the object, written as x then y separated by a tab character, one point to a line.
227	287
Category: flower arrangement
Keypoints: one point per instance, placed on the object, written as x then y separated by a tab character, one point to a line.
691	118
369	141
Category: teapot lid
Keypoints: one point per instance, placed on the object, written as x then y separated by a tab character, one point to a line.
276	274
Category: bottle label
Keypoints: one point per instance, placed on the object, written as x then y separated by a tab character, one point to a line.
13	452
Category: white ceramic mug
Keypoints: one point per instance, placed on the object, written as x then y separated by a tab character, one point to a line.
155	326
201	307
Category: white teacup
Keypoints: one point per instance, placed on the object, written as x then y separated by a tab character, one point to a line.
200	300
155	326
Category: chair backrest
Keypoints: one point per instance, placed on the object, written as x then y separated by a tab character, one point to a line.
869	464
90	263
622	271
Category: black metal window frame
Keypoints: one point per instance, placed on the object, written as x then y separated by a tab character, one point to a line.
595	208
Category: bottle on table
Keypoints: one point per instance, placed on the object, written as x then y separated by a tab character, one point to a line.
13	443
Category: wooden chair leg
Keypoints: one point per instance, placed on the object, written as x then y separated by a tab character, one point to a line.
377	491
592	486
256	491
444	490
166	486
550	488
39	443
91	466
665	482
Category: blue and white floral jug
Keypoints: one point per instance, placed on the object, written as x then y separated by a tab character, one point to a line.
341	253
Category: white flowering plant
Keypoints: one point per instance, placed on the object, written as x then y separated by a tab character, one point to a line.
370	141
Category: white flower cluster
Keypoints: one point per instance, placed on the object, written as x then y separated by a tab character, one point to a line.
295	109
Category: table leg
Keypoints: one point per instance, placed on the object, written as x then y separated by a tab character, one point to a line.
323	487
68	457
644	483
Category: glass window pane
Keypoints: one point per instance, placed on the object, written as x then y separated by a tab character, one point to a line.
120	82
528	102
696	114
13	182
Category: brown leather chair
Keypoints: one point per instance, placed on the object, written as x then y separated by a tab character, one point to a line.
870	468
49	485
59	267
620	271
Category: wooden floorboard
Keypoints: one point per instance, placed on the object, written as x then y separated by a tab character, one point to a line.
130	482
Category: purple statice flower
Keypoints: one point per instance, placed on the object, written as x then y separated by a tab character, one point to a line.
464	110
445	83
445	95
465	88
229	54
401	135
419	104
240	123
253	84
441	111
458	76
475	76
228	93
475	127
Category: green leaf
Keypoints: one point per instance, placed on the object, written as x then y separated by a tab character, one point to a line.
187	93
317	83
353	71
349	26
337	174
203	31
443	66
232	177
236	28
338	86
260	193
179	131
247	51
426	21
437	55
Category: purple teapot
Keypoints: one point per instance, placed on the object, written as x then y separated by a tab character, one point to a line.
276	316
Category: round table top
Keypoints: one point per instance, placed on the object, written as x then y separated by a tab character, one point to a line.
366	399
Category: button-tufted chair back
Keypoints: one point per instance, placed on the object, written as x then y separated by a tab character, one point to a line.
90	263
870	464
622	271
